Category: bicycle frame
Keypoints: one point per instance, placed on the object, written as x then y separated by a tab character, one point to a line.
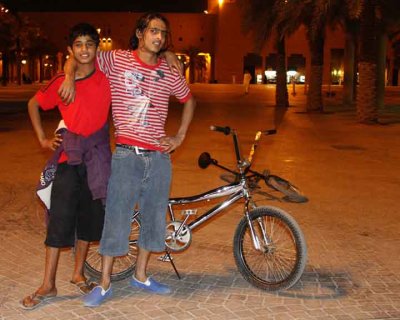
234	191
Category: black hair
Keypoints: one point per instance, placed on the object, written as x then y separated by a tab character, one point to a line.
141	25
83	29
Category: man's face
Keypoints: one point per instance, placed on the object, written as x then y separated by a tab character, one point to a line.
154	36
83	49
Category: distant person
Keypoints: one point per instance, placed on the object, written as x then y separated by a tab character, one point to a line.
141	84
246	81
82	159
26	79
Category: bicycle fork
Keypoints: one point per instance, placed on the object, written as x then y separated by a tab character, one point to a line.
254	237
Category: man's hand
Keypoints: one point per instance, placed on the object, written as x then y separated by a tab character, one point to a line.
67	90
51	144
174	64
169	144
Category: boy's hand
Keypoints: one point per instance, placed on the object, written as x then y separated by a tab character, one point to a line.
67	90
51	144
174	64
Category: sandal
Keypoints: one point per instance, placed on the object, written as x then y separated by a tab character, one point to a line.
35	299
85	286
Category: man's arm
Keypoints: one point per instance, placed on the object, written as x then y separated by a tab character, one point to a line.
67	87
33	110
171	143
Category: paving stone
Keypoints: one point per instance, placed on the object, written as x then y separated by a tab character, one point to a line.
352	236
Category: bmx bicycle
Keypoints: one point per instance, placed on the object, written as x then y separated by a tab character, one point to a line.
269	247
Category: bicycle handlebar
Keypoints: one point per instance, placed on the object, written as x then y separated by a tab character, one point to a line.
242	163
224	130
268	132
227	130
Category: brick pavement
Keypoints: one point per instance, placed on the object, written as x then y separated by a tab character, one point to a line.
351	223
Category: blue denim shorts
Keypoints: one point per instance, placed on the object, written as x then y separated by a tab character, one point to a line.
142	180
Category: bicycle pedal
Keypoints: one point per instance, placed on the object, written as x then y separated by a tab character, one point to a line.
189	212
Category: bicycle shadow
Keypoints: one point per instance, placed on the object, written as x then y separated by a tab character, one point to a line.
319	284
315	284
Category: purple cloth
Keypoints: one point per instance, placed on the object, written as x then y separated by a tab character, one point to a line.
94	151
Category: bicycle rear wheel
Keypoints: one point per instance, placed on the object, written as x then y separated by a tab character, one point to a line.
123	266
281	260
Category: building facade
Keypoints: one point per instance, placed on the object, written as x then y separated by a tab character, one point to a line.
211	44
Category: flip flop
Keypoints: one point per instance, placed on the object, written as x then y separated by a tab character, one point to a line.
34	300
84	286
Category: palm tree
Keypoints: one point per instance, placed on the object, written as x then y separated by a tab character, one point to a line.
7	41
367	109
14	31
315	16
260	17
376	19
351	29
196	63
36	45
388	23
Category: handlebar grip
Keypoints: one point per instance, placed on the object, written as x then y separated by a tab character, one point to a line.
268	132
224	130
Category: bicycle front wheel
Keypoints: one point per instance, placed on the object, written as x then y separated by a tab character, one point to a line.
123	266
280	261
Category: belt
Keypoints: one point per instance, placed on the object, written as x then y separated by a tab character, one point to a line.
135	149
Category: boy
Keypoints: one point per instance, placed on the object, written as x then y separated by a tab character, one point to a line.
141	168
83	167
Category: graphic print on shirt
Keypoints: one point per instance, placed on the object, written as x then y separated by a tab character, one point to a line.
142	90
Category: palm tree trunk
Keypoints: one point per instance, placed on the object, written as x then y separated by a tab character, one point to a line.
41	69
367	109
381	66
348	80
314	97
18	62
5	72
281	93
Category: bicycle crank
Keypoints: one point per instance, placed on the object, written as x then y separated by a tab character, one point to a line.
178	236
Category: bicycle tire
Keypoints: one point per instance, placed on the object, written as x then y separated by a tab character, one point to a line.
123	266
277	266
291	192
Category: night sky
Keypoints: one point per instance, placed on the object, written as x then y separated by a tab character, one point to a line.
110	5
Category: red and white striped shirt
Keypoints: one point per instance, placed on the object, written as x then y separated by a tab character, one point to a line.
140	96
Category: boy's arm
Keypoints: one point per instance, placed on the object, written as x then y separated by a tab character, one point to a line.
171	143
33	110
67	87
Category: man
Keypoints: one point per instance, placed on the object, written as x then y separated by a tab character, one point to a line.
83	162
246	81
141	84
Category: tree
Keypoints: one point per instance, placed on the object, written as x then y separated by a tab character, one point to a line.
315	16
36	45
376	20
260	18
197	63
377	17
8	27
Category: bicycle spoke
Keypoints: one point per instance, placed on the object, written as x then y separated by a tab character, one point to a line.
276	260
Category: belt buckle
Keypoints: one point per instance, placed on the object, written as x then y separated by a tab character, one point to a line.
138	151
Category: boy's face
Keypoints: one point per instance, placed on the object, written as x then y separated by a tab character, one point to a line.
154	36
83	49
